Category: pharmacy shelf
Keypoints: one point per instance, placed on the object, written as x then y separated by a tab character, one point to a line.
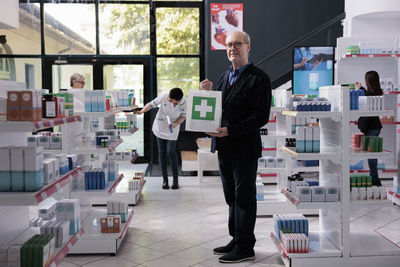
393	194
355	114
358	154
60	253
275	203
320	247
305	169
129	133
80	191
334	115
277	109
106	114
272	169
139	194
88	148
310	205
372	56
370	243
309	156
274	135
368	203
379	171
95	242
34	198
33	126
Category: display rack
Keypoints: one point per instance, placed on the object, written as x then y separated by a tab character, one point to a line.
80	191
95	242
16	204
345	245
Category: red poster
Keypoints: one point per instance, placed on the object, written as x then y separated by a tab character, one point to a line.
225	18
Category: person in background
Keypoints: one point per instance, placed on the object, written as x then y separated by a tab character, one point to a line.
371	126
171	113
246	102
77	80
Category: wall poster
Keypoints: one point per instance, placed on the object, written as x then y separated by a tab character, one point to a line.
225	18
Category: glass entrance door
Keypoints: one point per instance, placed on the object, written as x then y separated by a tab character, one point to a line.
61	75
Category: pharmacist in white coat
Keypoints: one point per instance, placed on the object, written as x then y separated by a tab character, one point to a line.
171	113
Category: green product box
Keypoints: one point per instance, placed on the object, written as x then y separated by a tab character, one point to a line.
369	181
363	181
380	147
353	181
364	142
272	101
359	181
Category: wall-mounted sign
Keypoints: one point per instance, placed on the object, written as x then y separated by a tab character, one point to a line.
225	18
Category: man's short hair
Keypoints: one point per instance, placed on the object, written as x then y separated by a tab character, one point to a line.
176	94
76	77
246	37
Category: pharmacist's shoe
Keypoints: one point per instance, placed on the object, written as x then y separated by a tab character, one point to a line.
225	249
165	183
175	183
237	255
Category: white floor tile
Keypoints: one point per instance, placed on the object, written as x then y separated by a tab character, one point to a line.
196	254
67	264
170	246
140	255
168	261
84	259
112	261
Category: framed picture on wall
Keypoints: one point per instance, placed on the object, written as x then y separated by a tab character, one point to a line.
225	18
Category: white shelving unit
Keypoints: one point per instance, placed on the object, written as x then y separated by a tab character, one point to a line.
346	246
15	205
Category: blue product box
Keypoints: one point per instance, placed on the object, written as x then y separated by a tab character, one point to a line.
5	181
33	180
86	181
358	166
125	215
300	146
90	178
260	197
314	107
64	169
311	163
323	106
95	106
102	180
17	181
315	146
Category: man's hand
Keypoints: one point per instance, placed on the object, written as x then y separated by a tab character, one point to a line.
206	85
358	85
221	132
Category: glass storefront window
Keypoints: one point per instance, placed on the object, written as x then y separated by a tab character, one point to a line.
24	70
124	29
177	72
62	76
177	31
70	29
26	39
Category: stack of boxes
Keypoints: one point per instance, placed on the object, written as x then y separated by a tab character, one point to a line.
96	179
105	138
47	140
259	189
308	139
271	162
136	182
372	143
59	229
21	169
69	210
354	98
122	155
371	103
311	104
95	101
37	251
25	105
118	208
286	226
388	85
112	168
362	189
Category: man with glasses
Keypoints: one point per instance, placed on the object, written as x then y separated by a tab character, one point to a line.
77	80
246	101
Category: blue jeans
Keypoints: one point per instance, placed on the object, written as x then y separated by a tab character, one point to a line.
373	163
167	148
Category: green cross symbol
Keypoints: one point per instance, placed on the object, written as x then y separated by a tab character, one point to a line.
203	108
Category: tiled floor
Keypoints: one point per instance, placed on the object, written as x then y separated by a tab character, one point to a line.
181	227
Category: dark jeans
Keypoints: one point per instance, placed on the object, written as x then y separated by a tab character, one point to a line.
239	184
167	148
373	163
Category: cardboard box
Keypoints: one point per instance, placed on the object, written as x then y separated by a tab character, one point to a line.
33	140
33	158
13	106
317	194
316	139
308	139
27	105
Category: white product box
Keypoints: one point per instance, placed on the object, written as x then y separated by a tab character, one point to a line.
33	158
363	193
123	207
55	142
44	141
355	193
101	100
317	194
377	192
113	134
127	155
17	159
93	100
270	162
118	155
115	207
109	207
14	256
62	233
363	103
47	210
56	167
33	140
383	193
87	101
262	163
48	170
331	194
5	159
303	193
110	156
370	193
280	162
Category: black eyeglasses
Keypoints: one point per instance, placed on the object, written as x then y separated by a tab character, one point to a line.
237	45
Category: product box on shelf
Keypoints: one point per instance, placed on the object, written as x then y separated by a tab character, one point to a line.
33	168
300	139
5	169
44	141
69	210
13	106
94	103
48	171
55	142
17	169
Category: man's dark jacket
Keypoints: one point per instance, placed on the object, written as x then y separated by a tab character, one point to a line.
245	109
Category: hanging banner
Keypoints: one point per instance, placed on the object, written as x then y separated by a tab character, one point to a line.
204	111
225	19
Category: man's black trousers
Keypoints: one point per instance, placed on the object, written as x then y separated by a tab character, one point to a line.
239	184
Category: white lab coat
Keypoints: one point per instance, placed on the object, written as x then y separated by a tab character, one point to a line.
160	124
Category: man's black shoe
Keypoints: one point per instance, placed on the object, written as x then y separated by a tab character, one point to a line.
225	249
237	255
